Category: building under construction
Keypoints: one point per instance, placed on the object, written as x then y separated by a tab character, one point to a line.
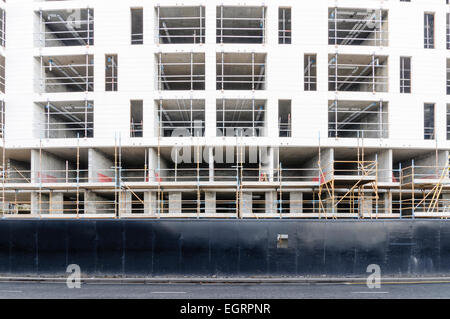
224	109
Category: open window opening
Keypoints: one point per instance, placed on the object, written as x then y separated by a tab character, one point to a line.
241	71
363	73
136	119
429	121
66	27
310	72
241	24
358	26
428	31
284	118
181	71
137	26
405	75
181	24
241	117
73	73
284	26
111	72
71	119
181	117
358	119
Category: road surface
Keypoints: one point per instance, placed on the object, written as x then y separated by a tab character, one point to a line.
33	290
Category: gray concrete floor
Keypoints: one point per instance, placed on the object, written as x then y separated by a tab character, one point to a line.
33	290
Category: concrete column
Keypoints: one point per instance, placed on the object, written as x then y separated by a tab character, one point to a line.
39	204
101	168
210	202
46	167
326	163
150	206
385	207
56	203
271	202
175	202
125	202
365	206
246	203
296	202
95	204
211	163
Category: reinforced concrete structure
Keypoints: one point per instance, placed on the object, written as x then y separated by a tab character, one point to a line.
225	109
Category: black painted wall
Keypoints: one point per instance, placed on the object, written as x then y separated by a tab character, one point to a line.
224	247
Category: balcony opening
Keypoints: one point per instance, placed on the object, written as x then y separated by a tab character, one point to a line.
137	26
358	119
241	24
181	24
284	26
73	73
65	27
242	118
362	73
136	119
70	119
178	118
181	71
353	26
241	71
284	118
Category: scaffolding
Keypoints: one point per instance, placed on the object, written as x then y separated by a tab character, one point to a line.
427	190
143	183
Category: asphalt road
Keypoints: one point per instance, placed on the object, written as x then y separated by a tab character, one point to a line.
31	290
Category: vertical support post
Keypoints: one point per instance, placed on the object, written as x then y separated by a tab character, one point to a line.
88	42
201	25
336	72
263	40
192	72
373	74
78	177
221	28
160	75
335	27
413	208
253	116
223	69
87	73
253	71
